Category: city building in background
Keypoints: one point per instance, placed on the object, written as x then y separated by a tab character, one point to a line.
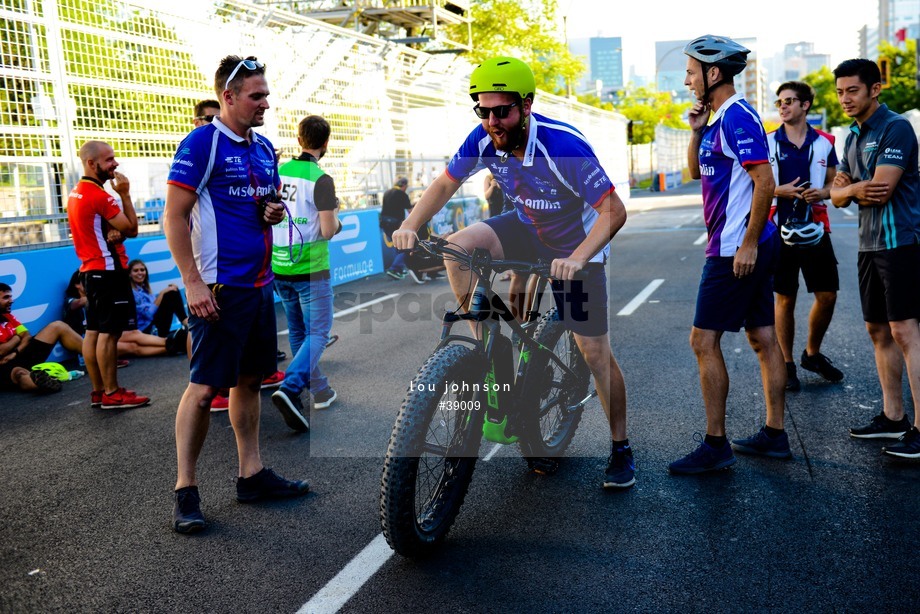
603	57
671	69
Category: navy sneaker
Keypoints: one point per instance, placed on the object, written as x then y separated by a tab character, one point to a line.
324	398
821	364
292	410
792	380
762	444
704	458
908	446
880	427
621	468
268	485
187	516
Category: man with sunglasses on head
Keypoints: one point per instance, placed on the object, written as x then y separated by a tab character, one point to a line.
205	112
804	165
221	203
565	211
728	152
878	171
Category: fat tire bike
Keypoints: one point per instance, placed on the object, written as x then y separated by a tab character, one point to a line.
469	389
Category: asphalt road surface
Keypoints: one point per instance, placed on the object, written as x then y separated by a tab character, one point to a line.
86	504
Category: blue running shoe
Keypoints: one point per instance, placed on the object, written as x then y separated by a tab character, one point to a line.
704	458
621	469
908	446
762	444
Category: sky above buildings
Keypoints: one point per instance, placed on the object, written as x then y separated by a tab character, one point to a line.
832	27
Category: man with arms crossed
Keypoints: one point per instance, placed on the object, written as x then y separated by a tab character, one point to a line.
98	226
729	153
879	172
223	180
566	211
799	153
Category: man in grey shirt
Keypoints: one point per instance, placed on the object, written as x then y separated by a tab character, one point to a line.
879	172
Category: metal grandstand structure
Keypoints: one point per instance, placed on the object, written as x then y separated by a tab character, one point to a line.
130	73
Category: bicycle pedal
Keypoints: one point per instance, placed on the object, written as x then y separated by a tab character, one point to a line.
543	466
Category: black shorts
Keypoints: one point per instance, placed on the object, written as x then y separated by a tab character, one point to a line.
817	263
888	285
726	303
110	304
244	339
581	304
35	353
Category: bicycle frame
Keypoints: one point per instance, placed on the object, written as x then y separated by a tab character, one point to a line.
487	309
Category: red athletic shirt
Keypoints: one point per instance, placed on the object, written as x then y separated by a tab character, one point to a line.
88	208
9	327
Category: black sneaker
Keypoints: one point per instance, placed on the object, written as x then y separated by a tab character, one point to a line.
268	485
908	446
324	398
704	458
187	516
621	469
291	408
792	380
762	444
821	364
882	428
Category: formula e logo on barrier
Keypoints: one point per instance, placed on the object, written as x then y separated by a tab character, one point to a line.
351	228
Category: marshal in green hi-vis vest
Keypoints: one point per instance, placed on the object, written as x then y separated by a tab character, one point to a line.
311	252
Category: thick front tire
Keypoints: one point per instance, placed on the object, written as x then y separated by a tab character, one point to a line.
547	425
432	452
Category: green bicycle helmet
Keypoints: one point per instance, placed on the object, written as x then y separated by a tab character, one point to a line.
54	369
503	74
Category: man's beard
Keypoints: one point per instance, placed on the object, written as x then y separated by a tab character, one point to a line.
103	175
514	138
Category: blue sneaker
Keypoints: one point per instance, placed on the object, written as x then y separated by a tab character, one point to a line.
908	446
704	458
621	469
762	444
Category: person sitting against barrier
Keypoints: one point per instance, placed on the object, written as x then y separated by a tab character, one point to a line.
20	351
132	342
155	311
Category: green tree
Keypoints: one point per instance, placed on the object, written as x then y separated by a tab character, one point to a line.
826	97
902	94
647	108
529	30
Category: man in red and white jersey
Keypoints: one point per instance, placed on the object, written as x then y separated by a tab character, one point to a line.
98	226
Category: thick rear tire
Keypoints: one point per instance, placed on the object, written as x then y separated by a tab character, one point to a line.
432	452
547	426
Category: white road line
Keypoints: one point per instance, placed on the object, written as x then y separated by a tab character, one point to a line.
347	582
848	212
701	239
634	304
345	312
359	570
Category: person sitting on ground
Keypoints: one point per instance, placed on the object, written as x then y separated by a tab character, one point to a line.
155	311
132	342
20	351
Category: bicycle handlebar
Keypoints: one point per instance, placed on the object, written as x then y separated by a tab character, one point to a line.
542	269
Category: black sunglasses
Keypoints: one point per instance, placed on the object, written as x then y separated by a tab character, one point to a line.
784	101
206	118
500	112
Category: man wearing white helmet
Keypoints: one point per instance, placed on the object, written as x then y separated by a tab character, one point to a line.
804	165
729	154
565	211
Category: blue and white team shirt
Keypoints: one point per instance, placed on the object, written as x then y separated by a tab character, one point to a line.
554	189
733	140
231	176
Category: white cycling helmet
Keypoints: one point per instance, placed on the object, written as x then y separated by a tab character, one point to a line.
801	234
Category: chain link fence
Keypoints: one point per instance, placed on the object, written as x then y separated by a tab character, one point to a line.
130	73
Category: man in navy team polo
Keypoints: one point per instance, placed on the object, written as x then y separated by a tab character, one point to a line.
728	152
220	207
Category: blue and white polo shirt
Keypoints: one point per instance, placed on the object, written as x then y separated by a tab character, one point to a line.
230	242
